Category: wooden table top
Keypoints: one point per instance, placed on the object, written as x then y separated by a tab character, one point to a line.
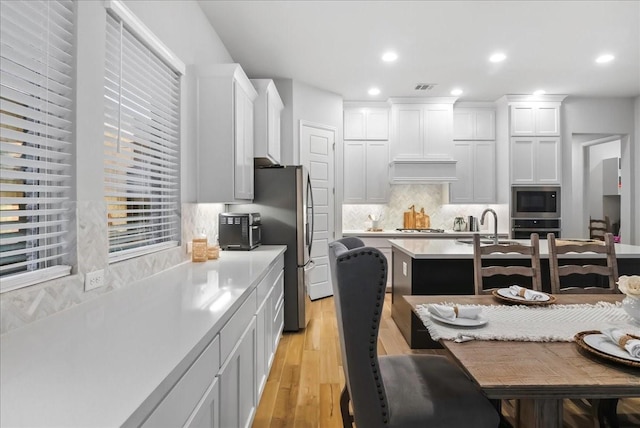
509	369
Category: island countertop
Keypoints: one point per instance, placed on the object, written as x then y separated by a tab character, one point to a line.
453	249
398	234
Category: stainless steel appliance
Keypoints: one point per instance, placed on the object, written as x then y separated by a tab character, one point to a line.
535	209
239	231
283	196
523	228
535	202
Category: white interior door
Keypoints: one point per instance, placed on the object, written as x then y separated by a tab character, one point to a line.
317	152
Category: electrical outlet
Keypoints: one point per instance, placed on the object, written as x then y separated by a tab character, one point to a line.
404	268
189	247
93	280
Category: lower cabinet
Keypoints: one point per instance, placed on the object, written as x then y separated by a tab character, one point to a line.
237	382
207	412
222	387
384	246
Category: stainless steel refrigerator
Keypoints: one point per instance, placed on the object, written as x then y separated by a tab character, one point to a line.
284	199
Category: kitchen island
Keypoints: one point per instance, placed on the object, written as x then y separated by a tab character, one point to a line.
433	267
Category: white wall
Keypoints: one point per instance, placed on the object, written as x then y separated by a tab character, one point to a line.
635	196
600	116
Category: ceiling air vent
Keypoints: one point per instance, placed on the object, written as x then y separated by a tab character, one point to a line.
424	86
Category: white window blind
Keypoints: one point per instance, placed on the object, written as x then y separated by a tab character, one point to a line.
36	120
142	117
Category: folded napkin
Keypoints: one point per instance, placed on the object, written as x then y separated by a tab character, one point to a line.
623	340
516	290
453	312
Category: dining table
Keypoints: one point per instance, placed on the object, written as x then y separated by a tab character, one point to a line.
539	374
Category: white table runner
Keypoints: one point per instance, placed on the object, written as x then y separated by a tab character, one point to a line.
552	323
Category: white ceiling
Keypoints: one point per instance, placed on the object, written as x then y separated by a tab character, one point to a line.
337	45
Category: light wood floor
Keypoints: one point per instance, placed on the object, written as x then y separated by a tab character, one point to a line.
303	389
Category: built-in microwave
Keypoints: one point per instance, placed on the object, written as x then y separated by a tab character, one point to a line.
535	202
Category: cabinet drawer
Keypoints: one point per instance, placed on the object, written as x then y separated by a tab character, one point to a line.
233	329
265	285
178	405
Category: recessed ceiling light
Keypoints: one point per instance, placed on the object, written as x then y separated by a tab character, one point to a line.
497	57
602	59
374	91
456	92
389	57
539	92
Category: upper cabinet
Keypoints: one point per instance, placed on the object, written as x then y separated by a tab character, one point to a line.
535	119
474	124
366	172
535	160
423	131
267	111
225	115
366	123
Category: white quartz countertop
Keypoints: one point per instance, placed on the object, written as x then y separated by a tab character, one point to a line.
96	364
452	249
393	233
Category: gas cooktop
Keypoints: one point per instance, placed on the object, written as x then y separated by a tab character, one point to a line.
420	230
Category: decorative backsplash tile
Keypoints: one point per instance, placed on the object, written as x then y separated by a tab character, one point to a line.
431	197
26	305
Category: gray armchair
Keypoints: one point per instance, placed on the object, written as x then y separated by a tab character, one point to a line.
400	390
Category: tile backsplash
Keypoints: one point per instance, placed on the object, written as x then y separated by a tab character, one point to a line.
431	197
26	305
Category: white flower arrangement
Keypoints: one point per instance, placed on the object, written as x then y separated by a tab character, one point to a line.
630	285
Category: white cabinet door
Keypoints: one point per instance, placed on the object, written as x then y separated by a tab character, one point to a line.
547	120
547	160
267	111
207	412
485	124
408	131
355	124
377	124
354	173
484	172
438	131
522	160
377	172
274	111
463	124
238	380
462	189
523	120
244	145
264	325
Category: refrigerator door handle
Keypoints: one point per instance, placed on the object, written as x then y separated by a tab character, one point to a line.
309	224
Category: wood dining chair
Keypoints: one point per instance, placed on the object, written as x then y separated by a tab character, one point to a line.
601	410
393	390
599	227
482	270
562	247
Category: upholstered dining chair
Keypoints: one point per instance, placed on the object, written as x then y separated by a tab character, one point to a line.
399	390
481	270
606	249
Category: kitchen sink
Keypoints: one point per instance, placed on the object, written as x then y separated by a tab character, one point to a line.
485	241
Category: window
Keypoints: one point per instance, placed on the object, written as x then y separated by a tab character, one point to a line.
141	138
36	123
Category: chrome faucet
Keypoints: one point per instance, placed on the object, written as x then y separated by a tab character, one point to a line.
495	223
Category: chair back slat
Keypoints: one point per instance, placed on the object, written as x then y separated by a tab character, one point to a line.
564	247
481	271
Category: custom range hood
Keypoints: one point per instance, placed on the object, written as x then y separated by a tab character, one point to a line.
422	136
422	171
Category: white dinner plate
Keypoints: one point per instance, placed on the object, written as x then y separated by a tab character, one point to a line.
505	292
601	343
462	322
